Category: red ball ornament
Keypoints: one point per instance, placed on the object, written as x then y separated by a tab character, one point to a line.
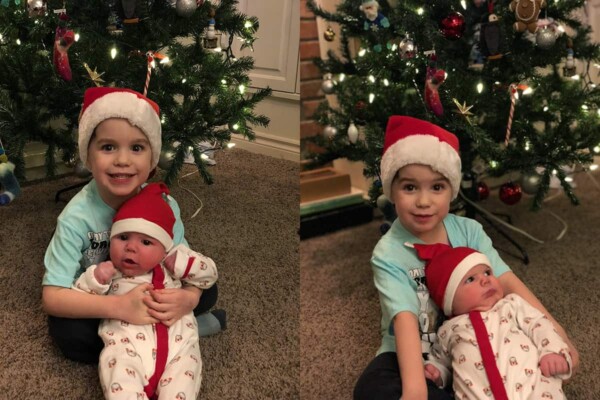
453	26
510	193
360	105
483	191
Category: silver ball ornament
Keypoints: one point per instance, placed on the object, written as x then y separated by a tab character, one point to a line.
530	182
407	48
545	38
330	131
185	8
36	8
81	170
327	85
166	158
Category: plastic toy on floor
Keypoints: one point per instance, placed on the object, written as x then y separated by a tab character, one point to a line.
9	186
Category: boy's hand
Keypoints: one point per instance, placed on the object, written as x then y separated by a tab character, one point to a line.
433	374
133	308
104	272
169	305
553	364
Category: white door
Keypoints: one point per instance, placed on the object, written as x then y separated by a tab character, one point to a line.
276	50
276	65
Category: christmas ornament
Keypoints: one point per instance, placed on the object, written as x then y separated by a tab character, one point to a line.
464	110
115	24
510	193
433	79
327	85
36	8
407	48
166	158
526	14
329	34
330	131
8	181
512	90
545	38
63	39
530	182
94	75
352	133
489	39
483	191
150	56
569	70
185	8
210	40
453	26
359	109
81	170
129	10
374	19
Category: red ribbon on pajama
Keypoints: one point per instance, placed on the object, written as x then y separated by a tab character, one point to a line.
487	354
162	340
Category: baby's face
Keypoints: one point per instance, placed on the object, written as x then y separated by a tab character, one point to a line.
135	253
479	290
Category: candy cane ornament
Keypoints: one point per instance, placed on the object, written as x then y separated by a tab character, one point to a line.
150	56
513	96
512	89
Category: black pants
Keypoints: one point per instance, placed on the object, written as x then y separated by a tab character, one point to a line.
78	338
381	381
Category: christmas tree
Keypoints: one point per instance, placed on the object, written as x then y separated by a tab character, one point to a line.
183	54
512	79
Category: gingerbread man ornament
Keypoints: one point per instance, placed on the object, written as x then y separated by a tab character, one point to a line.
526	13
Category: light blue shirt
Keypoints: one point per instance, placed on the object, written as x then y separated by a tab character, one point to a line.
400	278
82	236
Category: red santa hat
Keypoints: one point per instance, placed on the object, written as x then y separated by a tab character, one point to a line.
100	103
147	213
445	268
413	141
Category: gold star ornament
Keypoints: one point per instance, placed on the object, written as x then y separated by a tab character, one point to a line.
464	110
94	75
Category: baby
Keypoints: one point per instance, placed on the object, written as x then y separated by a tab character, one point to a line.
494	344
158	361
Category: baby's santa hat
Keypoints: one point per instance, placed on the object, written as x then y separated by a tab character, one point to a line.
413	141
445	268
147	213
100	103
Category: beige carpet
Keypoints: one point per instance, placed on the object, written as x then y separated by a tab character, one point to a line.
248	225
339	322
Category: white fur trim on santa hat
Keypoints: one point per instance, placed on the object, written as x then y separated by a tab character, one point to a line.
457	276
421	149
141	225
121	105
